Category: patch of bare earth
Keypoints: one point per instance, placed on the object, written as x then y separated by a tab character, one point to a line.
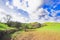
38	35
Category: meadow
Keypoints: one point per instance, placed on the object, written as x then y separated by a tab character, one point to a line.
51	31
31	31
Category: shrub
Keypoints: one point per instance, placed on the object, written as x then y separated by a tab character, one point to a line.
14	24
35	25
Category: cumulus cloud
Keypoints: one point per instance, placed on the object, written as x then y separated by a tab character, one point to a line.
15	16
10	6
35	13
32	9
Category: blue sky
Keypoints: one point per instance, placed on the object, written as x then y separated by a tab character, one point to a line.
32	10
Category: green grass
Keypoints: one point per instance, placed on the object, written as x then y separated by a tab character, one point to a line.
5	27
50	26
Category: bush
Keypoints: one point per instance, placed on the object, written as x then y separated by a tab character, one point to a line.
31	25
14	24
35	25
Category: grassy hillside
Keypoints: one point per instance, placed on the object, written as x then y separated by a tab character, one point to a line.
5	27
35	31
51	31
53	26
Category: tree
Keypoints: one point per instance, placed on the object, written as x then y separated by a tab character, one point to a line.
18	25
7	18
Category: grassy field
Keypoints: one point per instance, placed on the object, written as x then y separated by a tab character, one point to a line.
49	32
5	27
50	26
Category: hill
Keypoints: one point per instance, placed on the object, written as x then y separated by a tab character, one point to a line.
50	31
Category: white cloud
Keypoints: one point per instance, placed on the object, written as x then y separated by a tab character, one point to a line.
33	5
8	5
15	16
32	10
36	14
2	14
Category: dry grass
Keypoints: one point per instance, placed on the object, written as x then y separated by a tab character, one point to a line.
38	35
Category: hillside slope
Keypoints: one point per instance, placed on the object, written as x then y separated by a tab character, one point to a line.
48	32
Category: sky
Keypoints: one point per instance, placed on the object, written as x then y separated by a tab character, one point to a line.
30	10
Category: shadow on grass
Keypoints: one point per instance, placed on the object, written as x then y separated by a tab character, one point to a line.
6	35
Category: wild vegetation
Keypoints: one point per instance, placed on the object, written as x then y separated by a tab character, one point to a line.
7	29
48	31
29	31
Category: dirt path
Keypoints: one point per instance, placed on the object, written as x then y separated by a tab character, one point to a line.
38	35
